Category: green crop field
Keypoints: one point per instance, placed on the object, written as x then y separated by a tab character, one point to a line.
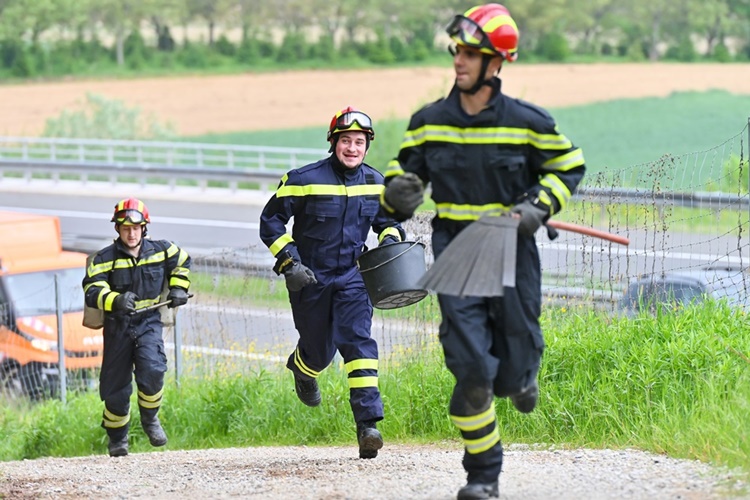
614	135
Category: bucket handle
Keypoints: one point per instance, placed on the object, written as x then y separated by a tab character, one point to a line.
392	258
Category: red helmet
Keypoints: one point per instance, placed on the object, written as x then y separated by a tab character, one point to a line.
131	212
488	28
350	119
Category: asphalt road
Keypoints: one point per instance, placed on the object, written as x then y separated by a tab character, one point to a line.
211	222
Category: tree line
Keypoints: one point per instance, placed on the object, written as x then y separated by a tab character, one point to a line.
57	37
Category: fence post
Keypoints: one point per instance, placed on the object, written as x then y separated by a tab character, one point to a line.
177	348
63	378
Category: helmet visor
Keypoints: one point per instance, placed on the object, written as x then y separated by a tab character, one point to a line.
469	33
129	218
347	120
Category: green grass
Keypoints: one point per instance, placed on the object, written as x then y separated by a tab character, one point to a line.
677	384
614	135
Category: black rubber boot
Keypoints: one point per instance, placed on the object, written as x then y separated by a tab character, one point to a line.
118	447
307	390
525	401
369	439
478	491
154	431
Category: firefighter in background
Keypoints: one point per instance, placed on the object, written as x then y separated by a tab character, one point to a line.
334	202
122	278
485	153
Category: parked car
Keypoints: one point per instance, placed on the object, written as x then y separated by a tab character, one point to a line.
676	289
32	265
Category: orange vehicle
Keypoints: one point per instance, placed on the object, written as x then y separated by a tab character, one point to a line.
31	256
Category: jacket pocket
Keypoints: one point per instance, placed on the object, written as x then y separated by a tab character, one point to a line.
510	175
153	279
322	217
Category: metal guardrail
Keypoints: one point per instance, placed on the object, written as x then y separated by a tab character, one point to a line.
172	163
236	167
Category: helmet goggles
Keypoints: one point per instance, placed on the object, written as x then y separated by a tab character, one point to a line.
348	119
129	218
470	34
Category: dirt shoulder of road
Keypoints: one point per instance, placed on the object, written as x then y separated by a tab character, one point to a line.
335	473
268	101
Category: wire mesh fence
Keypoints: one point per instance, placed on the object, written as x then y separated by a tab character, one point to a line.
686	215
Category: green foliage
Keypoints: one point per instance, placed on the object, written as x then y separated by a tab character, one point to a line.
735	173
682	51
635	52
419	50
195	55
324	50
102	118
380	54
293	48
721	53
249	51
224	47
553	47
676	383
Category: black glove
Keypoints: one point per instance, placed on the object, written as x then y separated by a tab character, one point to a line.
388	240
533	215
298	276
178	296
125	302
402	196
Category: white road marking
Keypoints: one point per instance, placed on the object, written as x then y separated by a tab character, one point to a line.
164	220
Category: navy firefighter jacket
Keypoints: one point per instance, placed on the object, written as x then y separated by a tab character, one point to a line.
487	163
333	209
114	271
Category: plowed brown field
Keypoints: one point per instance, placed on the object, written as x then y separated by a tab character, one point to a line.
203	104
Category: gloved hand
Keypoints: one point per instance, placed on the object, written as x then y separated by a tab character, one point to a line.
388	240
298	276
125	302
178	296
402	196
533	215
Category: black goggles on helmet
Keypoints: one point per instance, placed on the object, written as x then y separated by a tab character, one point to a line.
470	33
129	217
347	120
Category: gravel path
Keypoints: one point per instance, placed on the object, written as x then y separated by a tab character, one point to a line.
335	473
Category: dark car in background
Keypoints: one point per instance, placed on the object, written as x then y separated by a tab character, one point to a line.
676	289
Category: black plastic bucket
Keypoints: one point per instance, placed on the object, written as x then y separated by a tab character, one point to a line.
391	273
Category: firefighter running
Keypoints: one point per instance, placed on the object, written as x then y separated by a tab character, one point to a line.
485	153
334	202
122	278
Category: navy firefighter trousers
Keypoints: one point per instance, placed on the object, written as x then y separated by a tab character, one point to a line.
337	315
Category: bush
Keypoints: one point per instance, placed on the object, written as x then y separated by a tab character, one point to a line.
102	118
324	49
293	48
194	55
224	47
249	51
553	47
419	50
683	50
721	53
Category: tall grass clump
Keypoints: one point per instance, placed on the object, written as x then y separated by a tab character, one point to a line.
102	118
676	383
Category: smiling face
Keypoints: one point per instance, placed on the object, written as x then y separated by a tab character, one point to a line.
351	148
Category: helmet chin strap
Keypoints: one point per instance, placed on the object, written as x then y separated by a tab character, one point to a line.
480	83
